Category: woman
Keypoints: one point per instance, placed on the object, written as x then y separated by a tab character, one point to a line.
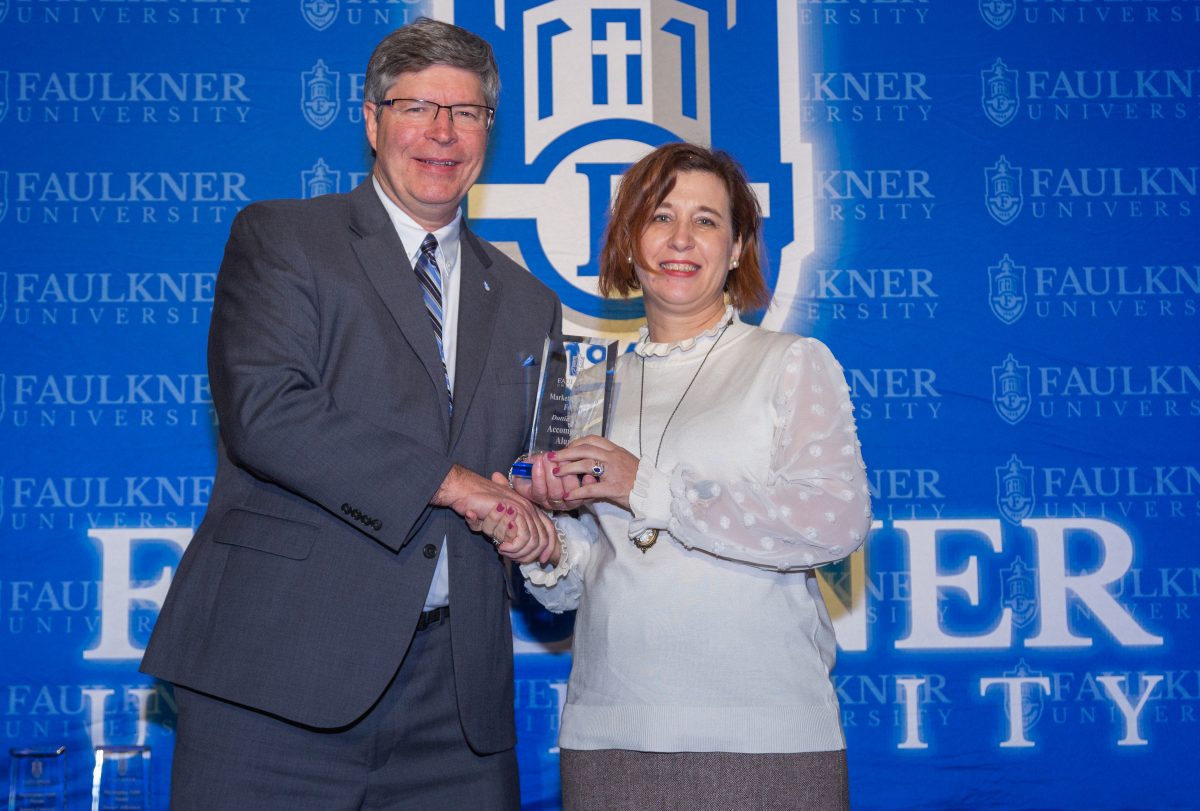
702	648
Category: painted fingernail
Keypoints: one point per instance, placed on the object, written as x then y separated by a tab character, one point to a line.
555	471
510	525
511	511
499	508
551	456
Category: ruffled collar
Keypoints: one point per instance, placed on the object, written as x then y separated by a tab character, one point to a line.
647	348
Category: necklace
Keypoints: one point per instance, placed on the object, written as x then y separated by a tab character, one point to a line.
647	538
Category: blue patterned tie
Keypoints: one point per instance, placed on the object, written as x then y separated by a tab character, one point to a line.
430	278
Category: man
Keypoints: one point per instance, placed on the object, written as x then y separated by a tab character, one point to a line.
338	635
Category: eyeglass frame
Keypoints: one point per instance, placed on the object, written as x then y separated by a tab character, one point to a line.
491	111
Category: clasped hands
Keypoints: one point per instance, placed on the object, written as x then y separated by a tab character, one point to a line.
560	480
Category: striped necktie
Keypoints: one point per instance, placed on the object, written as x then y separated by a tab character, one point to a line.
430	278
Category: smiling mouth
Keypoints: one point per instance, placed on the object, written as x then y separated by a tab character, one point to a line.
432	162
678	267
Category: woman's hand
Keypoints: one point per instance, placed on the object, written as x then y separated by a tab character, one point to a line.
516	528
545	489
582	456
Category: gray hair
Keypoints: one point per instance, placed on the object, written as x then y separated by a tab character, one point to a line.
424	43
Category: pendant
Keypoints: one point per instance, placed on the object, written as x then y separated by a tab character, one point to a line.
645	539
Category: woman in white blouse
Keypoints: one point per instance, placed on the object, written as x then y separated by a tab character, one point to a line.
702	647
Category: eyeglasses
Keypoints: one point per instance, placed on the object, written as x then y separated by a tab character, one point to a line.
422	113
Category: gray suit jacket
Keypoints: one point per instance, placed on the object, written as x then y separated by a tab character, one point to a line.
301	589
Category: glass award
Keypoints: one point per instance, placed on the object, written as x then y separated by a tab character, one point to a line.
37	779
574	394
121	779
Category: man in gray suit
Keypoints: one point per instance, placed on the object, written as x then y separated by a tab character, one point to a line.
338	630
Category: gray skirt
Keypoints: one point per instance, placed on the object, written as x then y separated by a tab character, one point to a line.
623	780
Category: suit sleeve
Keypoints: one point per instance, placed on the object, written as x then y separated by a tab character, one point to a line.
277	418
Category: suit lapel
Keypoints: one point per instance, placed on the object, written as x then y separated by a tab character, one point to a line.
479	296
386	264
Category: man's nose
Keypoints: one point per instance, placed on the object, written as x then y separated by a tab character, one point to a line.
441	128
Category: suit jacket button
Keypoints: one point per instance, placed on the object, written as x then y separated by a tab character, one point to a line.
346	509
378	525
430	551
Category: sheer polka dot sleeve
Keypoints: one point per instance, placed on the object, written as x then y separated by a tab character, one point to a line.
811	504
578	536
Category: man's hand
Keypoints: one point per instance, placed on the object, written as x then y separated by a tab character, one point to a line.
515	526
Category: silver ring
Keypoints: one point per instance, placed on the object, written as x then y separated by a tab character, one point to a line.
495	541
598	469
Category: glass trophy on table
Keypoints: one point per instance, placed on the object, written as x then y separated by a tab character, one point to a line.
121	779
37	779
574	394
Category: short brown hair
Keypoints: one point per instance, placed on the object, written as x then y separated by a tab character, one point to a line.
646	184
422	44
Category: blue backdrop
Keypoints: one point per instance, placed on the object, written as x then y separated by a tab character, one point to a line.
987	209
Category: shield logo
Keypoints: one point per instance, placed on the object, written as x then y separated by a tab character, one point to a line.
319	180
3	295
1014	490
1020	592
998	13
1003	194
3	195
3	94
1010	390
1000	98
320	14
1033	700
3	10
1006	289
318	95
603	83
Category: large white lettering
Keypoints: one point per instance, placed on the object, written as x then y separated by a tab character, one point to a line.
118	592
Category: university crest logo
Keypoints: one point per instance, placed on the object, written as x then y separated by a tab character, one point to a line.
998	13
320	14
1020	592
1010	390
1014	490
1006	289
606	81
1034	700
3	295
3	195
1003	194
319	180
3	94
1001	99
318	95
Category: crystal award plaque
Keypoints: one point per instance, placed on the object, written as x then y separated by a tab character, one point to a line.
121	779
37	779
574	394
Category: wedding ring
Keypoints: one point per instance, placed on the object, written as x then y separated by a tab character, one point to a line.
598	469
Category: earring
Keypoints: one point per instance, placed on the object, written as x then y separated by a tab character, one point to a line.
734	265
629	259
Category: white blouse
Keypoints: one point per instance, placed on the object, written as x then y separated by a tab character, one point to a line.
716	638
